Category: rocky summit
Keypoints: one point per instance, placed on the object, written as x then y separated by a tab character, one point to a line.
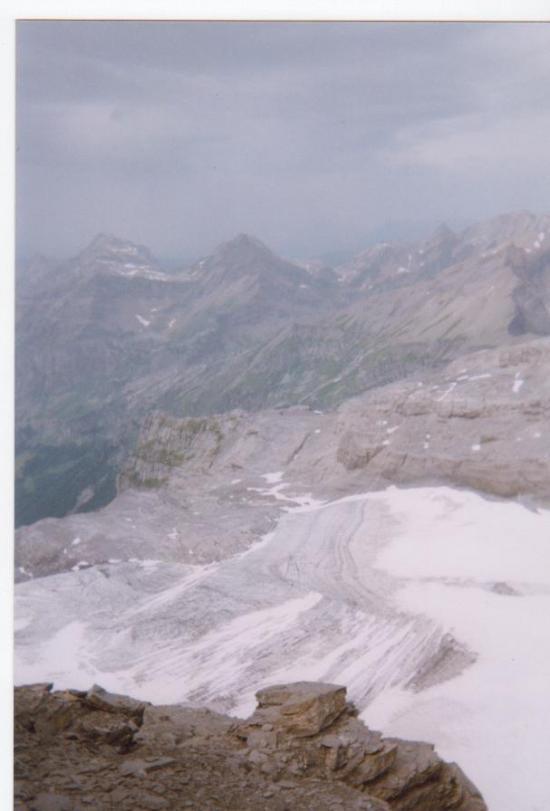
303	749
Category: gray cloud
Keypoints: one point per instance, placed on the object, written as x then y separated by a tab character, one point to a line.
310	135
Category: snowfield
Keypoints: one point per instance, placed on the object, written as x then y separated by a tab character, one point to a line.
430	604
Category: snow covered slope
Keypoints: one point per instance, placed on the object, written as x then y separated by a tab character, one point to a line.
428	603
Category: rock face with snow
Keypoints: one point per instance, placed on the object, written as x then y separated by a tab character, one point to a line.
109	336
481	423
302	748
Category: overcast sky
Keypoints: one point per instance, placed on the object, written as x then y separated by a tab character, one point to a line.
311	136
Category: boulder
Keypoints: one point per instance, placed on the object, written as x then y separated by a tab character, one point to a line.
98	698
300	709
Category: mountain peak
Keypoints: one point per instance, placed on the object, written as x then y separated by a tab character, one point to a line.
247	257
442	233
110	248
247	239
103	239
109	244
110	254
243	247
513	226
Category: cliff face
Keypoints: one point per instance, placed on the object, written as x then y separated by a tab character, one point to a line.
480	422
166	444
302	749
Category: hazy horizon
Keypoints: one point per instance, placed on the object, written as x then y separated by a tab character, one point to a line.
316	137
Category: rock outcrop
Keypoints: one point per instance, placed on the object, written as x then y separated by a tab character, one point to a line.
303	749
482	422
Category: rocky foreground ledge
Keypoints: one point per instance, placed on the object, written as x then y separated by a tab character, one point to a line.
303	748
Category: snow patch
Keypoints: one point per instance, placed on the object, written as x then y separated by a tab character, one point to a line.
504	695
63	656
518	383
150	563
428	555
82	564
273	478
447	391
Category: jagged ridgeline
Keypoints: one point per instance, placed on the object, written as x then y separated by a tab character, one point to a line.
109	336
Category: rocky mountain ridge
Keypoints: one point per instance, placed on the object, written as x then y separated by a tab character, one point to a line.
303	748
108	337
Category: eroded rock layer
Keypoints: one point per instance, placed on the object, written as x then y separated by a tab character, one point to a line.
303	749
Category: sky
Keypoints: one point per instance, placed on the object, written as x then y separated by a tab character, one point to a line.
314	137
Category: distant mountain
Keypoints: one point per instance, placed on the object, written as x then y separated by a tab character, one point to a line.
108	336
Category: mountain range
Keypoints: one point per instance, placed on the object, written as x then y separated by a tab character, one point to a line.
108	336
